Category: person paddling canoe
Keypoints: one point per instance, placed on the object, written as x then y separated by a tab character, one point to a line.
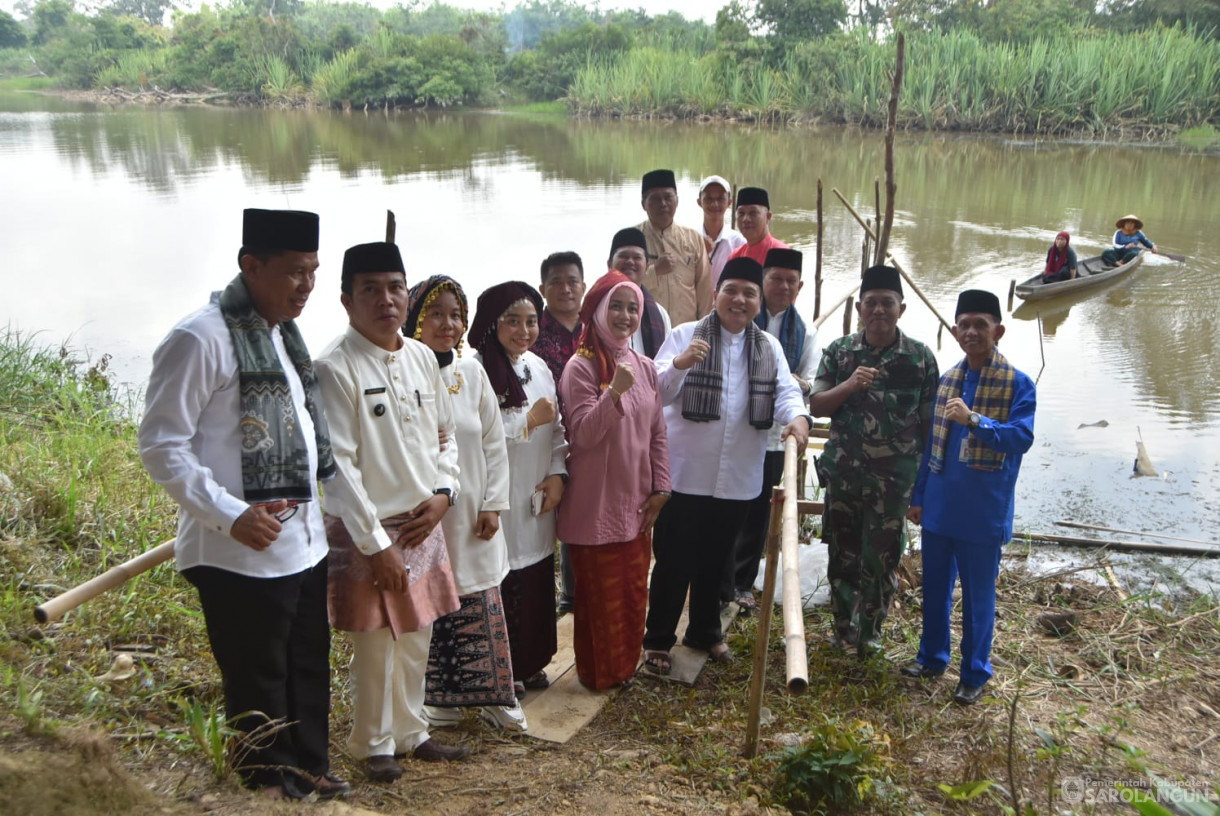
1127	241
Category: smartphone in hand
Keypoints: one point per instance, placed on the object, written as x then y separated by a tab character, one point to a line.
536	501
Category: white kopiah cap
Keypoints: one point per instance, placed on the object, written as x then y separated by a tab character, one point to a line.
728	188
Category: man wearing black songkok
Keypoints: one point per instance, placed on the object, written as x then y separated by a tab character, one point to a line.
877	387
234	430
679	274
983	424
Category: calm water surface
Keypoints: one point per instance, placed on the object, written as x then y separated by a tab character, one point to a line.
118	222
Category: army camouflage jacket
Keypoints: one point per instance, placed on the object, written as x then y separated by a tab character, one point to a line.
880	431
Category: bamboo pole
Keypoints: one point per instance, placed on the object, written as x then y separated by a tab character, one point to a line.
65	602
1166	548
835	308
1080	526
758	674
817	268
877	204
945	323
794	615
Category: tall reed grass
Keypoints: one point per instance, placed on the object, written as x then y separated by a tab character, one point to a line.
331	80
133	69
954	81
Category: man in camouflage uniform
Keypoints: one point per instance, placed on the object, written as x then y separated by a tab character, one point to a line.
878	388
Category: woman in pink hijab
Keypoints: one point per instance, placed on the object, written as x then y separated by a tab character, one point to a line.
618	468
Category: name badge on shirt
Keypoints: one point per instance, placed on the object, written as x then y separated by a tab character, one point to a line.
964	454
369	391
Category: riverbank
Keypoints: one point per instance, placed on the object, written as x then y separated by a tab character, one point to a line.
1135	678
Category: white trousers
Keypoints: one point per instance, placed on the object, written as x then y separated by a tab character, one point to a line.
387	677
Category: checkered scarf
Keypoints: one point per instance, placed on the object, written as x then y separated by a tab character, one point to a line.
704	385
993	399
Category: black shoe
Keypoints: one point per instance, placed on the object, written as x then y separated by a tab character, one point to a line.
968	695
920	671
382	768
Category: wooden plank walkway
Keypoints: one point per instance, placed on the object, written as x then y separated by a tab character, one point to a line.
557	713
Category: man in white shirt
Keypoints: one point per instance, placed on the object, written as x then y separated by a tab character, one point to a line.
628	254
715	199
724	383
779	318
234	431
389	576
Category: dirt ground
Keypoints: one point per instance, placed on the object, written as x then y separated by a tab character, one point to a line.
1131	679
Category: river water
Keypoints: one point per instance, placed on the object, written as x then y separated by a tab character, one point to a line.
119	221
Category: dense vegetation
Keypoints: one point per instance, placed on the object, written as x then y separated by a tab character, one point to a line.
1046	66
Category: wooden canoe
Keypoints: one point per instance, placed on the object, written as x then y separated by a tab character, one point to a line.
1091	272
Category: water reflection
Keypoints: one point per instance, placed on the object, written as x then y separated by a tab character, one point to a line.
140	209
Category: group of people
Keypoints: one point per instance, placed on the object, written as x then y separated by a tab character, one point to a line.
1128	238
641	419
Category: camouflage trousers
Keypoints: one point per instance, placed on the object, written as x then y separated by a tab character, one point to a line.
863	527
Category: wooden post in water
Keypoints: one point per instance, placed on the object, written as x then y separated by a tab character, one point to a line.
847	315
390	226
1012	290
794	615
890	257
817	268
884	227
758	673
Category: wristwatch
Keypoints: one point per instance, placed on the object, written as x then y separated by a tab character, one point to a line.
974	419
446	492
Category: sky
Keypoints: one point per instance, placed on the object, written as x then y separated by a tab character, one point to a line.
691	9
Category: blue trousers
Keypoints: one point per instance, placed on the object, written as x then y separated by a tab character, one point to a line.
978	565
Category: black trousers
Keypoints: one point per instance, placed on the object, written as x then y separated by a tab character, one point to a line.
693	537
271	640
742	565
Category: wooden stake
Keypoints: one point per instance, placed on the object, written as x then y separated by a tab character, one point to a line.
835	308
762	639
847	315
877	208
390	226
817	268
883	233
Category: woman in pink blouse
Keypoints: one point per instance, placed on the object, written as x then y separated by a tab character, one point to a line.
618	464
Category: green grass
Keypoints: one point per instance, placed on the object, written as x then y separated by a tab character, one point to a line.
1092	82
16	84
558	107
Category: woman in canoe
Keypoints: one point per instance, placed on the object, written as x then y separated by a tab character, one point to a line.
1060	260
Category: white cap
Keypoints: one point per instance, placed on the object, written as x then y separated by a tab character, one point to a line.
728	188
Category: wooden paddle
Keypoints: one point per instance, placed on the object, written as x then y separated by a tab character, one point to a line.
1172	257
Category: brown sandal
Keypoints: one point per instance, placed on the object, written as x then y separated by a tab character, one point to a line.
657	662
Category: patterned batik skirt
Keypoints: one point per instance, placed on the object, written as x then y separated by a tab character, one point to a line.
469	662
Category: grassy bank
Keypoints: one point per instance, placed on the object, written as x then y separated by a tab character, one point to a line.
1136	679
1099	83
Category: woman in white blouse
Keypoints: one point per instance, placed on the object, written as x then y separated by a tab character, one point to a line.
469	662
505	325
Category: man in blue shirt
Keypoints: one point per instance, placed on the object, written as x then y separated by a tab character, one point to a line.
983	422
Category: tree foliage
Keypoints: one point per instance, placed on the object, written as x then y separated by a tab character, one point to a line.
794	20
150	11
12	35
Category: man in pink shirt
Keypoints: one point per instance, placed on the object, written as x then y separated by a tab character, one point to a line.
754	221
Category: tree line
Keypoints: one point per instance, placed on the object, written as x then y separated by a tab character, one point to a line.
761	59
